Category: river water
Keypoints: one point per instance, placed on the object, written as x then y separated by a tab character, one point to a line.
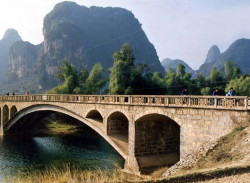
84	151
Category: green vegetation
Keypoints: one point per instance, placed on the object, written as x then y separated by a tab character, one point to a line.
127	78
74	82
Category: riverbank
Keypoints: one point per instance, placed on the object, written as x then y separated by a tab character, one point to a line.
58	124
68	175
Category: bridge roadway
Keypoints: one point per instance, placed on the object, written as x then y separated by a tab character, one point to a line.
147	131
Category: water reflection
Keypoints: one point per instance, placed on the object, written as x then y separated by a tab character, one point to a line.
85	151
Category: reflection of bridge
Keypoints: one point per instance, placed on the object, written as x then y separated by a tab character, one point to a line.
148	131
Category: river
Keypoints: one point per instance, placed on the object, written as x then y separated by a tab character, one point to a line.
85	151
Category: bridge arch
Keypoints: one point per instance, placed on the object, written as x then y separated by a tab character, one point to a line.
117	129
117	124
158	137
13	111
5	114
95	115
44	107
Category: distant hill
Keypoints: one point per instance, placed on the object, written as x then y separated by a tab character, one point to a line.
238	53
10	37
169	63
213	54
83	36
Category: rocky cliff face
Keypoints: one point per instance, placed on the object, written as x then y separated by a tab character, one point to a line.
238	53
23	59
10	37
85	36
213	54
169	63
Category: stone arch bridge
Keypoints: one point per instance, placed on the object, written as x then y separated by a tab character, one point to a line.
147	131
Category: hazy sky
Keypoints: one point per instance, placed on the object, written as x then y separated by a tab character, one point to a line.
183	29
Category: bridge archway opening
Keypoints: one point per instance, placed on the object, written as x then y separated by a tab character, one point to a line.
5	114
117	128
87	136
13	111
157	141
45	123
95	115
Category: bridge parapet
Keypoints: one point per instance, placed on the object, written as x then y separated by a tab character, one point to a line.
211	102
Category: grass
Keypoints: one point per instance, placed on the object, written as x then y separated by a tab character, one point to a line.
52	128
222	153
72	175
69	175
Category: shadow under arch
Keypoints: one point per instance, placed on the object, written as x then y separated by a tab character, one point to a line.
5	114
117	129
157	137
44	107
13	111
95	115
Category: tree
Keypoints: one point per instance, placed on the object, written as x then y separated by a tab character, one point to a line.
83	75
121	76
216	79
79	83
181	71
95	81
172	82
241	85
68	76
206	91
229	70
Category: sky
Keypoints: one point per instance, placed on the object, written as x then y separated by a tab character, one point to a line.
179	29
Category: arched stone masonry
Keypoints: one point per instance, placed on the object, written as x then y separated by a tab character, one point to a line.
156	137
13	111
5	114
95	115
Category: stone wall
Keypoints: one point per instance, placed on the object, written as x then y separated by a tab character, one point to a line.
159	136
117	124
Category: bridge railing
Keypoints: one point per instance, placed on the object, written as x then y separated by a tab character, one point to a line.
220	102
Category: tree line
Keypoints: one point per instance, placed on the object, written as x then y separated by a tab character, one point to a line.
126	78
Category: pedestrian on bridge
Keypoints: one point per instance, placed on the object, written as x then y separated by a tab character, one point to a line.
184	92
216	92
231	92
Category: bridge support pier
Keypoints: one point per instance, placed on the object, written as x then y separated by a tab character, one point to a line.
1	130
131	164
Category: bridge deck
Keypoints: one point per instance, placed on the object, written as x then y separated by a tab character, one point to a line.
213	102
